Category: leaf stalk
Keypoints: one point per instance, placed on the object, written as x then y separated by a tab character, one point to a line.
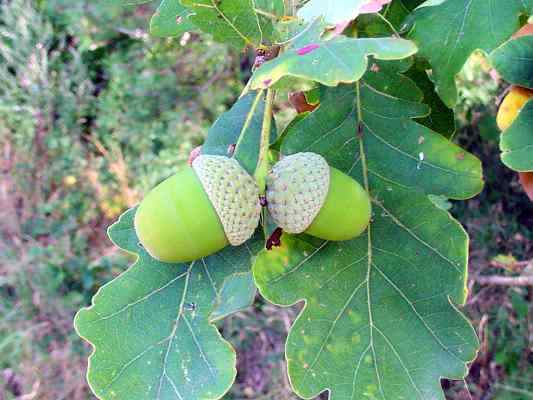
263	162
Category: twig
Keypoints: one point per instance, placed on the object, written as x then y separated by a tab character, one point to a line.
505	280
389	24
512	265
266	14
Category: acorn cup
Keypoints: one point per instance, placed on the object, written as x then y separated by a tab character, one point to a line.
199	211
305	194
512	105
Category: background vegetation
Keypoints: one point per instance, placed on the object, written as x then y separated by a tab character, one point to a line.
94	112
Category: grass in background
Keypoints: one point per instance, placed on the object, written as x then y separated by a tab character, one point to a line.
92	113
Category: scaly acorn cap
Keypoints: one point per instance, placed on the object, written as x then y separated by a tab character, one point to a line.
233	193
297	188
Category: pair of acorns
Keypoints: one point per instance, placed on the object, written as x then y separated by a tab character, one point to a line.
215	203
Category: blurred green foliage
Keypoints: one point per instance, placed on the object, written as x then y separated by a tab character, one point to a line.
93	112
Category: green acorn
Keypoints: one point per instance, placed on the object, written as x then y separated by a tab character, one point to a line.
305	194
199	211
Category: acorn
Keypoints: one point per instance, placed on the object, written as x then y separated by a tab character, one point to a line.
199	211
512	105
305	194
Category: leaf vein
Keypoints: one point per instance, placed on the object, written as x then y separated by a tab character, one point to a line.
400	360
332	328
418	315
172	336
415	236
142	299
299	265
356	373
200	349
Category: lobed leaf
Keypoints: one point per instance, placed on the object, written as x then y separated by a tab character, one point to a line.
151	327
234	22
398	148
274	7
448	31
329	62
389	77
514	61
380	318
517	141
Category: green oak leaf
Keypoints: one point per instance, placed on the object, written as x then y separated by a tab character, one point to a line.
151	328
171	19
441	119
274	7
516	142
441	202
241	127
380	319
514	61
329	62
233	22
400	149
237	293
389	77
447	32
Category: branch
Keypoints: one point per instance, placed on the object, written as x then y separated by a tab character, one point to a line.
504	280
511	265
